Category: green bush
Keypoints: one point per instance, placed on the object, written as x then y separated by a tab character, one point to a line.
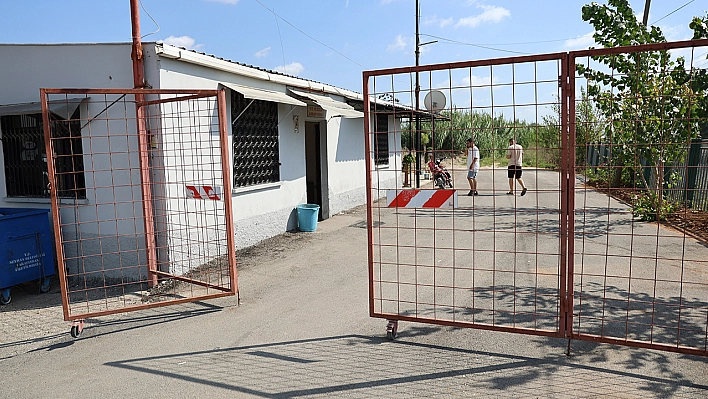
647	208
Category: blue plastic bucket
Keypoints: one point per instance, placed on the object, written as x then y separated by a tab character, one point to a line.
307	215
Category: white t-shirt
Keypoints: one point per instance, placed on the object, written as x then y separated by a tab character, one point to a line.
517	154
472	153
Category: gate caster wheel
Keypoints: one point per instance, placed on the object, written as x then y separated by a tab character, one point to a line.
5	297
77	328
391	329
75	332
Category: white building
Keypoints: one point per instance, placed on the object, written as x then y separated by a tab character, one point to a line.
317	128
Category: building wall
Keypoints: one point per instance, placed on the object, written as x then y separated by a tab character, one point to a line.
262	212
27	68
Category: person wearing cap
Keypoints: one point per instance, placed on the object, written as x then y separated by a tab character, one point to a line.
515	154
472	166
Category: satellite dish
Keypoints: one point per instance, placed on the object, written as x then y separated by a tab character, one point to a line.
434	101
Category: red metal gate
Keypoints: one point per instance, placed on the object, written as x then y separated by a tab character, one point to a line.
553	253
140	187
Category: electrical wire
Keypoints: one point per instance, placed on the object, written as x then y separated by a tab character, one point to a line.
473	45
280	36
672	12
312	38
511	44
153	20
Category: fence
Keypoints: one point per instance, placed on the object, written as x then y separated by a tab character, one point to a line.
684	182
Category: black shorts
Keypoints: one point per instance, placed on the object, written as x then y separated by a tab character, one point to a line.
514	172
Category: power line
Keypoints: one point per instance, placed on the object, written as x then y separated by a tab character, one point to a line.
301	31
511	44
473	45
672	12
282	48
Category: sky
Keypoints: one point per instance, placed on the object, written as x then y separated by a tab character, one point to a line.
332	41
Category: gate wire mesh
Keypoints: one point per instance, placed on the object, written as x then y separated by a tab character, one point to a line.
106	177
639	270
581	255
492	260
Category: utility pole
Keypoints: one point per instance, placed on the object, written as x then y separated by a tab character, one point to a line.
417	143
645	20
143	144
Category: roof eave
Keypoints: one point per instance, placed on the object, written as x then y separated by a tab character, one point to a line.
176	53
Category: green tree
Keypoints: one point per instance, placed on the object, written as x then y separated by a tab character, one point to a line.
649	99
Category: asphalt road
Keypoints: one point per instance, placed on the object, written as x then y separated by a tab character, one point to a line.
302	329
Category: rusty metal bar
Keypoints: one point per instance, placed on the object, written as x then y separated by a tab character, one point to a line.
228	199
465	64
639	48
83	316
168	100
478	326
194	281
569	149
566	206
143	140
369	190
137	48
54	198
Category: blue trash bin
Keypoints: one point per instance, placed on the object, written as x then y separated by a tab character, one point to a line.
26	252
307	215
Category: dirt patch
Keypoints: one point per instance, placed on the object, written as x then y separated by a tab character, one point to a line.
686	221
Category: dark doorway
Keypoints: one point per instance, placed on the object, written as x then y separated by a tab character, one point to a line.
313	164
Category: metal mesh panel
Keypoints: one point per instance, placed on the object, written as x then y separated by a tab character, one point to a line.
491	260
639	269
155	226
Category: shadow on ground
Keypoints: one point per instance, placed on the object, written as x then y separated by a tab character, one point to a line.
361	366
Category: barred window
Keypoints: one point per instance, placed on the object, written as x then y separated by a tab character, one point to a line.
255	131
26	172
381	140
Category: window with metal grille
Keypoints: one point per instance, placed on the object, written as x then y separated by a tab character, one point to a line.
26	158
381	140
255	131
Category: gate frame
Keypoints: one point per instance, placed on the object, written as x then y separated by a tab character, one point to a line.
563	307
570	94
148	235
566	287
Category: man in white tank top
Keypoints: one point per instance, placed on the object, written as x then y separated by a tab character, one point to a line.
472	166
515	154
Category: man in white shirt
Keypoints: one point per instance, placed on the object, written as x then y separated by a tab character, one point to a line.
515	154
472	166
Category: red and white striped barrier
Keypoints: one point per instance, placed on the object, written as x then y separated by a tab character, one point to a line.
421	198
204	192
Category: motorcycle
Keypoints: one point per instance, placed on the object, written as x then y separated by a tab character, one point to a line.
440	175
